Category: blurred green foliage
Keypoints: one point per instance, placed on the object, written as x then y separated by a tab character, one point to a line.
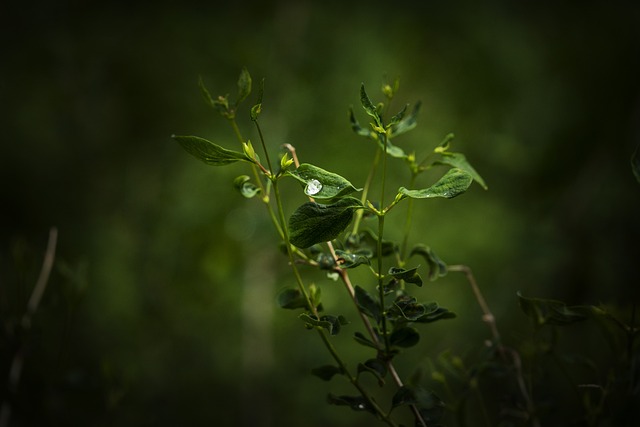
160	310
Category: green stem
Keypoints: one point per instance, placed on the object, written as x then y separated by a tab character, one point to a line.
365	192
407	223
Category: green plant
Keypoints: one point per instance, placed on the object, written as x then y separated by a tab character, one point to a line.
327	233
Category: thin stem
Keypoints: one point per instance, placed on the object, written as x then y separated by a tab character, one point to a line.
365	192
407	223
264	147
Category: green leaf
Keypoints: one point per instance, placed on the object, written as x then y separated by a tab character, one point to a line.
404	337
361	339
549	312
327	185
291	298
368	106
257	108
326	372
431	407
409	276
244	85
407	123
367	304
205	93
376	367
208	152
351	260
458	160
245	187
330	323
437	268
398	117
407	307
635	163
355	126
357	403
455	182
392	150
433	312
313	223
367	241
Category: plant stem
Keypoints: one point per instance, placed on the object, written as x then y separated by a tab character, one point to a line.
365	192
407	223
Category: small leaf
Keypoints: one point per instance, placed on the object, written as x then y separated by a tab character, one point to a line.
407	123
313	223
291	298
244	85
550	312
361	339
376	367
357	403
367	304
437	268
393	150
453	183
326	322
431	407
205	93
208	152
368	106
404	337
331	185
245	187
458	160
398	117
257	108
355	126
434	313
409	276
408	308
326	372
351	260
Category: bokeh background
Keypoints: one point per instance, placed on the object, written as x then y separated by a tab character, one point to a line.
161	307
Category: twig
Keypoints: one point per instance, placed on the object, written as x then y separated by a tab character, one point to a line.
32	306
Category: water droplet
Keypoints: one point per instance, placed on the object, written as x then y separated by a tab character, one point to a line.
313	187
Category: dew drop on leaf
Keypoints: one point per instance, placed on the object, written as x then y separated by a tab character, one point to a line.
313	187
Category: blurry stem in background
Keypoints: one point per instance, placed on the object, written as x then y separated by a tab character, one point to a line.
365	192
490	320
32	306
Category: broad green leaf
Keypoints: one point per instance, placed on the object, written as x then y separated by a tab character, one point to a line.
245	187
409	276
357	403
437	268
367	304
455	182
321	184
635	163
368	106
549	312
244	85
392	150
208	152
313	223
291	298
404	337
458	160
407	123
326	372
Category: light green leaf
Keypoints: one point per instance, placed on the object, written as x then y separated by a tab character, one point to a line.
208	152
314	223
458	160
245	187
326	185
455	182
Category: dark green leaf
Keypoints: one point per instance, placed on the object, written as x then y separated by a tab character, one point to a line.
550	312
453	183
437	268
366	242
376	367
291	298
245	187
408	308
208	152
434	312
409	276
431	407
313	223
458	160
407	123
361	339
326	185
398	117
404	337
326	372
369	107
205	93
355	126
357	403
351	260
244	85
367	304
330	323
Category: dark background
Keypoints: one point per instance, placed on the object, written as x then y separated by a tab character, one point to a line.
161	307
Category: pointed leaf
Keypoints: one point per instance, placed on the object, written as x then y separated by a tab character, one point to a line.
244	85
376	367
328	185
361	339
407	123
357	403
551	312
458	160
368	106
398	117
326	372
409	276
437	268
313	223
208	152
330	323
205	93
367	304
433	312
453	183
355	126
